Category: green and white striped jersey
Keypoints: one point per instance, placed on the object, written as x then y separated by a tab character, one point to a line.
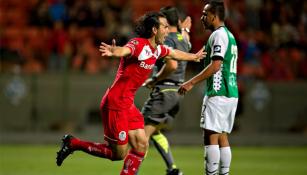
224	82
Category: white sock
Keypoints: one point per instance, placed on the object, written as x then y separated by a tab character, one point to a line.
225	153
212	158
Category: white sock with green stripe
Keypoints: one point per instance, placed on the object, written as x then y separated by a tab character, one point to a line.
212	159
225	153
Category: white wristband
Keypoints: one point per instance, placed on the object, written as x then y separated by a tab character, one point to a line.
185	29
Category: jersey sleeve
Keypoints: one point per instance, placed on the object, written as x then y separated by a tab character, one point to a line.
133	45
219	44
164	50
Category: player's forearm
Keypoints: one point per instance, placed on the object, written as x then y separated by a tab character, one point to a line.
199	78
205	74
184	56
120	51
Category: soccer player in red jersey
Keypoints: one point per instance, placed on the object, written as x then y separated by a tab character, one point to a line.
122	121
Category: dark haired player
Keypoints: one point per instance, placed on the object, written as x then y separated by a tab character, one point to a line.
122	121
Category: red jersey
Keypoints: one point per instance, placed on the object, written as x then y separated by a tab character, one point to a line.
132	72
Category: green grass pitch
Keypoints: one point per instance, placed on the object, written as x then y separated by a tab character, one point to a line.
40	160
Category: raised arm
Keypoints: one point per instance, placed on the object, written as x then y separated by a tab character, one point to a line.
186	27
113	51
180	55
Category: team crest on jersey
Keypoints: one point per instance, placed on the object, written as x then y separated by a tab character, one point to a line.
145	54
217	49
122	136
135	42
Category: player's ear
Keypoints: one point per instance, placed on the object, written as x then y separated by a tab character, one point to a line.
154	30
213	18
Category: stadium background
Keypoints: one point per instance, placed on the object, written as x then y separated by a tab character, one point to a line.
52	76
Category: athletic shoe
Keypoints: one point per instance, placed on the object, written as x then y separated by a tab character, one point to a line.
174	172
65	149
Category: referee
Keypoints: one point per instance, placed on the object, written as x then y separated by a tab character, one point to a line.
163	104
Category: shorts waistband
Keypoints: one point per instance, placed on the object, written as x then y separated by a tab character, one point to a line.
169	83
164	88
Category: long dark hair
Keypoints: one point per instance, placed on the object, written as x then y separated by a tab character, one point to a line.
145	24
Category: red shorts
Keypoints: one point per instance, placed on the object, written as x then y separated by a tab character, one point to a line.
117	123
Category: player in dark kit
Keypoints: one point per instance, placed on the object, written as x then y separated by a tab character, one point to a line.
163	104
123	123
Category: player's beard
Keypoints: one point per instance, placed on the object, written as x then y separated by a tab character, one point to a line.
208	26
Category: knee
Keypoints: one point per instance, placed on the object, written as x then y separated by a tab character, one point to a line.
142	145
119	155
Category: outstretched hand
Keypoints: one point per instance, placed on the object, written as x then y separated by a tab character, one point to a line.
107	50
200	55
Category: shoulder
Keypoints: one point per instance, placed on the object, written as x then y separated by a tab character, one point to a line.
136	44
169	38
219	36
170	41
219	33
137	41
172	36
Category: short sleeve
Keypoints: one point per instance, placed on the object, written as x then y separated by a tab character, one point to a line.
219	44
164	50
133	45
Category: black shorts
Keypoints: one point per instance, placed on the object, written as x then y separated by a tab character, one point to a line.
162	105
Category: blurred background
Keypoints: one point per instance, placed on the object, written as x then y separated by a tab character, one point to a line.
52	77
